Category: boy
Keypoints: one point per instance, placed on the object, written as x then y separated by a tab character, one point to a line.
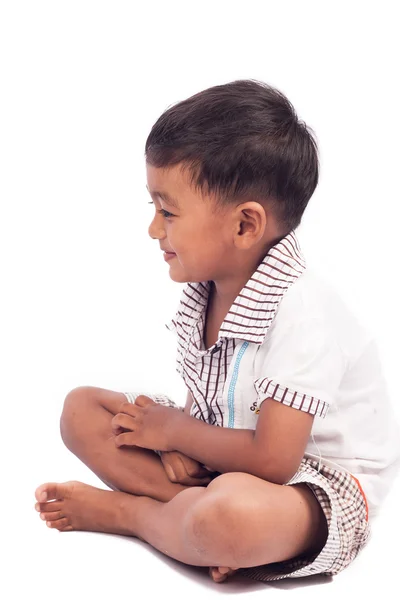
276	366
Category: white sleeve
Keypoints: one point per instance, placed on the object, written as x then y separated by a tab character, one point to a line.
300	366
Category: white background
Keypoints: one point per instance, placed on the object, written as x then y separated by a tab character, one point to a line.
85	291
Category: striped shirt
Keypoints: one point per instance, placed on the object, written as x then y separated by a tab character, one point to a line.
289	336
249	318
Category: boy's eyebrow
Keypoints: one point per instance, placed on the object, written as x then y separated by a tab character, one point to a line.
166	197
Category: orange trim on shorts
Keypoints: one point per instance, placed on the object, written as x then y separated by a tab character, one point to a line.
362	492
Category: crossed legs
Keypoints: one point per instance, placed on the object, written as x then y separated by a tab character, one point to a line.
237	520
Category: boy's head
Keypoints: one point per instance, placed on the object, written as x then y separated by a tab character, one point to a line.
241	169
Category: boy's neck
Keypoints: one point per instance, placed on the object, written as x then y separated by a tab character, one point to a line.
224	293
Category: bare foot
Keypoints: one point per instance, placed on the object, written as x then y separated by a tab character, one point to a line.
77	506
219	574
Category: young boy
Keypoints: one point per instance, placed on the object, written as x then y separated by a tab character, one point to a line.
288	444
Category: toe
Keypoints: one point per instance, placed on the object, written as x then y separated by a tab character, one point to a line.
58	523
54	491
47	491
40	493
51	516
49	506
219	574
216	575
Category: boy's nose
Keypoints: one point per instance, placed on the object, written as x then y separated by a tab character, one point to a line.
156	229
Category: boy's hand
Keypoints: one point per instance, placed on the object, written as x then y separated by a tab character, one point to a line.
145	424
183	469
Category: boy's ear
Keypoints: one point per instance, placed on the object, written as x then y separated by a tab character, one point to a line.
251	222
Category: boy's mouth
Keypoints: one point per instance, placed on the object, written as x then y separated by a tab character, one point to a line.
169	255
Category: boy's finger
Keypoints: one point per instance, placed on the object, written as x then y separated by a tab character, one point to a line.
143	401
169	471
199	473
194	481
129	409
121	421
176	474
125	439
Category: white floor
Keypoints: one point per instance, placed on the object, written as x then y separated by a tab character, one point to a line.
41	562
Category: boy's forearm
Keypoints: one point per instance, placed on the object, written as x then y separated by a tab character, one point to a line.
223	449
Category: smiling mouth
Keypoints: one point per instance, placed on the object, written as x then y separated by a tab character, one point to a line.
169	255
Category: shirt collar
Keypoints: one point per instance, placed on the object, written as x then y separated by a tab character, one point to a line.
253	310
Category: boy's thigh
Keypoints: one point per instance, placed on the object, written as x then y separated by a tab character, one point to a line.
88	412
266	522
87	398
109	399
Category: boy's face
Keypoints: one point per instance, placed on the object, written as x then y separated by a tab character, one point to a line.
200	239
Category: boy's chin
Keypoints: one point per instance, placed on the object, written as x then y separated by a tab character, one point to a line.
177	275
181	277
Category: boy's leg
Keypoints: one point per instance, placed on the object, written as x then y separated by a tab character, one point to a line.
86	431
238	520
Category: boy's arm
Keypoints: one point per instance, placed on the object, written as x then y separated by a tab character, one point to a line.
272	452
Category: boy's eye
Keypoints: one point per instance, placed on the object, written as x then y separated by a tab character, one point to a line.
165	213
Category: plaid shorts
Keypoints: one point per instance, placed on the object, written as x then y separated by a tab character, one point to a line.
346	510
344	505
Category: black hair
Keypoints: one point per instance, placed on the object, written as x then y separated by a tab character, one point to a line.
240	140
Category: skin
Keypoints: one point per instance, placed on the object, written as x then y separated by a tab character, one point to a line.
223	247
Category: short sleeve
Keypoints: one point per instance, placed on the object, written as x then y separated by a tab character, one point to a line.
301	366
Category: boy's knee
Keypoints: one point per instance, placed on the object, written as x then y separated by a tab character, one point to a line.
78	399
75	404
211	528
